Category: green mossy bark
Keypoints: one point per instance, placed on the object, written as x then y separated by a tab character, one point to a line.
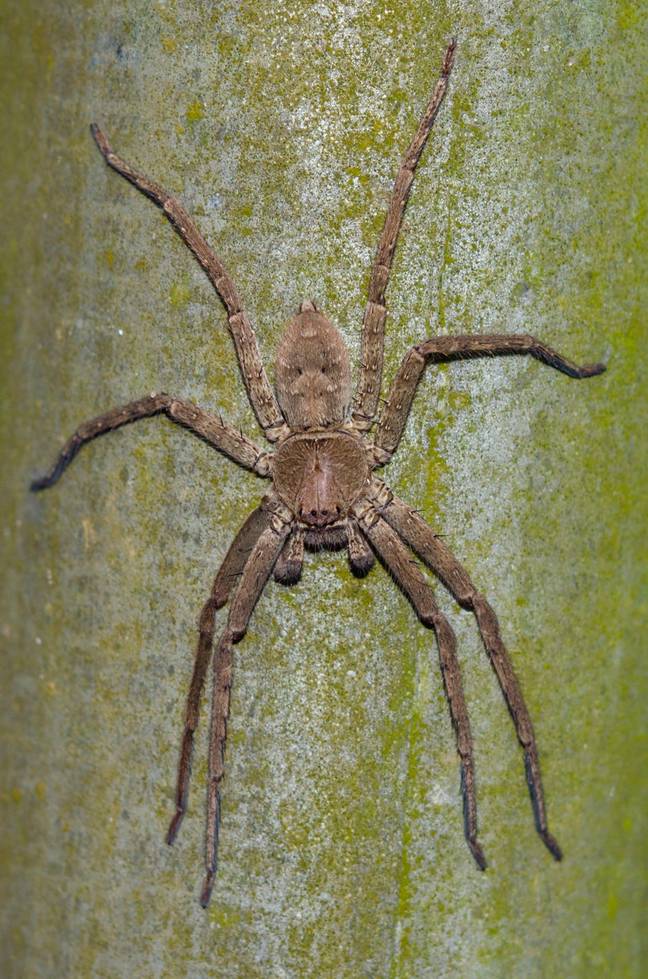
280	125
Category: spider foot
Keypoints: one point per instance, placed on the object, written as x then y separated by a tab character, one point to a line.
205	895
174	826
40	484
551	844
478	854
591	370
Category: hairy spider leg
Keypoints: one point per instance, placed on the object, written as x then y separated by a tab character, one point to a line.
436	554
436	350
256	572
241	450
225	581
259	390
213	431
400	563
365	402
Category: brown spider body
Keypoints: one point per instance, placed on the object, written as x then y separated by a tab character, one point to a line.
324	492
322	467
313	372
319	475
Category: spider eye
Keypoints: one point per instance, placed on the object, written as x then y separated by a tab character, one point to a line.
323	369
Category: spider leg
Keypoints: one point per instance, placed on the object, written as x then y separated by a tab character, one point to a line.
432	549
231	569
438	350
222	437
398	560
259	390
365	402
224	582
256	572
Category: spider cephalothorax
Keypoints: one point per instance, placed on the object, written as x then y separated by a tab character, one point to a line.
324	492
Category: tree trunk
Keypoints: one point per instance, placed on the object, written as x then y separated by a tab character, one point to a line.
280	126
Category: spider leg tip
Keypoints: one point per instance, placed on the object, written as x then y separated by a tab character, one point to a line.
100	139
592	370
449	56
478	854
205	894
552	845
174	826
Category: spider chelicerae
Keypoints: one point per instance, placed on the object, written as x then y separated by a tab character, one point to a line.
324	494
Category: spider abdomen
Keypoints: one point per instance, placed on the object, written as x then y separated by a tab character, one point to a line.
320	475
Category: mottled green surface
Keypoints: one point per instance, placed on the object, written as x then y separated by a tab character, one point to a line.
280	125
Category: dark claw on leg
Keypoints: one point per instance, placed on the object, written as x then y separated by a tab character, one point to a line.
53	477
533	781
174	826
551	844
208	886
478	854
470	814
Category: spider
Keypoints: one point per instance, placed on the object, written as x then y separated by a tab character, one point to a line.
324	494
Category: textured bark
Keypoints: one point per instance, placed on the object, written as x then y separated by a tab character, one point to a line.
280	127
